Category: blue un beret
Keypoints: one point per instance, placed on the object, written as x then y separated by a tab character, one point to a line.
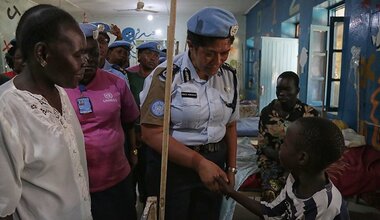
103	27
213	22
153	46
89	30
121	43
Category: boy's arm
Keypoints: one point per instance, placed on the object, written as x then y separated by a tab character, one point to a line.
250	204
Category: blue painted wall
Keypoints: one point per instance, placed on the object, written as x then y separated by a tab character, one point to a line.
363	17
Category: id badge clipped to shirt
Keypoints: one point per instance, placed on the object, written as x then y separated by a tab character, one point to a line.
84	105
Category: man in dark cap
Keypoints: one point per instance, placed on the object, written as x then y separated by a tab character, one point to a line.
202	140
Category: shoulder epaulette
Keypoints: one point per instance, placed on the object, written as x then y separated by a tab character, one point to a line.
228	67
162	74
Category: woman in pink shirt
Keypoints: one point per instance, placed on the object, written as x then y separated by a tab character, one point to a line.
104	106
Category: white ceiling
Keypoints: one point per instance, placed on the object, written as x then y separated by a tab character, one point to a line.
102	8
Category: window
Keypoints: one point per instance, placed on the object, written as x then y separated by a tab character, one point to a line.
297	31
335	58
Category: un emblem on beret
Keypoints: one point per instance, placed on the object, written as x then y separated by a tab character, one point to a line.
234	29
157	108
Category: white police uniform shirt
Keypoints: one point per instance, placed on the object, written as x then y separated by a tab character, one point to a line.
113	69
199	111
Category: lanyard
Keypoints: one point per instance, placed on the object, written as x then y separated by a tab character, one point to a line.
82	88
84	103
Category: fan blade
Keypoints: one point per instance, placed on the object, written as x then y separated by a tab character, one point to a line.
129	9
147	10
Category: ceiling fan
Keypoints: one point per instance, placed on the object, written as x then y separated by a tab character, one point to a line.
139	8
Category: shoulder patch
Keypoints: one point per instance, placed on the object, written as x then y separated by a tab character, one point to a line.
157	108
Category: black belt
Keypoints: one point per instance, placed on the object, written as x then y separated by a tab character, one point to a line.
206	148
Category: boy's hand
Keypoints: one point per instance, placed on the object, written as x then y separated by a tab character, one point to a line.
224	187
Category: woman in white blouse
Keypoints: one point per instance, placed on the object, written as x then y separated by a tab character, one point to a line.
43	172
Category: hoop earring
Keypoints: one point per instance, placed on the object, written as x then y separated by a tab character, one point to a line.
43	63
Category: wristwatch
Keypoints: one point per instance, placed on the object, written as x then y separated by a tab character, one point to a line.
135	151
232	170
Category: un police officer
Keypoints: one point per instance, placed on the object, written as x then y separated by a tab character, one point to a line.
202	142
117	57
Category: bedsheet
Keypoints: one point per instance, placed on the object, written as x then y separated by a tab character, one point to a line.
248	127
246	164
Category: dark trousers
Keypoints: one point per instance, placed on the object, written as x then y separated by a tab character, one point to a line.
115	203
138	174
186	195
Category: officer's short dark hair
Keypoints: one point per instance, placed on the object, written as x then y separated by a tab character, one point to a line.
290	75
105	35
321	139
40	23
203	41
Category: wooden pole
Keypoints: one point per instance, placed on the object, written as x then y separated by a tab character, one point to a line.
168	82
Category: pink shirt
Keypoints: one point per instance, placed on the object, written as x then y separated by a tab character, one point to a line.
135	68
112	104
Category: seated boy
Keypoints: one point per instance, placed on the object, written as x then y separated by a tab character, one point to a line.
310	145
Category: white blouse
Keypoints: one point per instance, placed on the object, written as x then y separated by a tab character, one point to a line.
43	170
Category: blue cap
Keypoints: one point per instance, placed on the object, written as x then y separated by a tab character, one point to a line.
213	22
103	27
153	46
89	30
121	43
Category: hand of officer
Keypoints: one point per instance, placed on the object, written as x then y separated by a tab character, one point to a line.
208	172
115	30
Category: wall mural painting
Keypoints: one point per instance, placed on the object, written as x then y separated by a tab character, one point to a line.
375	110
294	7
258	24
10	14
274	9
376	39
375	28
366	3
13	12
303	59
365	70
7	46
131	35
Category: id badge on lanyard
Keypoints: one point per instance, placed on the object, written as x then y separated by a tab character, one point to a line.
84	103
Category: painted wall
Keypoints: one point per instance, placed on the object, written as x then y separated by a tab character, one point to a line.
10	13
363	18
